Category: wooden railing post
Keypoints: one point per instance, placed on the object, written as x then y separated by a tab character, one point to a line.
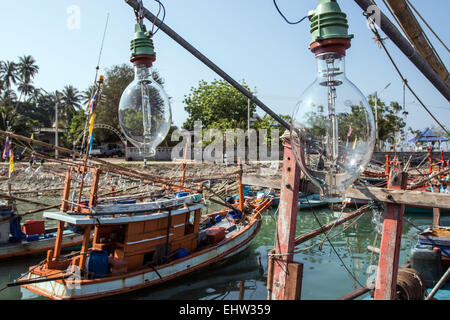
386	282
285	275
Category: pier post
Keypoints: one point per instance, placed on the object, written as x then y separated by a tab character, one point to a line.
386	282
285	278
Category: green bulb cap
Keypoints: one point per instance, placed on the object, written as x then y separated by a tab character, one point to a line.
328	22
142	48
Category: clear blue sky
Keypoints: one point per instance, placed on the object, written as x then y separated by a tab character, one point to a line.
248	39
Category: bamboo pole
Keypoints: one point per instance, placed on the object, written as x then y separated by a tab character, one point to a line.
330	225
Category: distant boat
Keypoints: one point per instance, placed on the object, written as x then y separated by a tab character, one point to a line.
36	239
305	201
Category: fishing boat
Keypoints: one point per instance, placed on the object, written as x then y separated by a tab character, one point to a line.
140	244
305	201
31	237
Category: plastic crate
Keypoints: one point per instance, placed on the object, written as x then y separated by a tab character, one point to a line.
215	234
33	227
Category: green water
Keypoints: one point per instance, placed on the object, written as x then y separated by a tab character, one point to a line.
324	276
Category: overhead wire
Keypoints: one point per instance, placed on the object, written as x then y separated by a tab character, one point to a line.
284	17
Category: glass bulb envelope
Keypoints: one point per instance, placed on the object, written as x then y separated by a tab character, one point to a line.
332	129
144	112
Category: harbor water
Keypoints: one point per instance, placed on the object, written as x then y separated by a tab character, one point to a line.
325	277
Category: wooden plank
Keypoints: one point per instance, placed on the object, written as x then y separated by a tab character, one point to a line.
408	197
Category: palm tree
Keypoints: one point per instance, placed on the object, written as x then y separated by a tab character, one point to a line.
8	98
25	89
8	73
70	102
27	68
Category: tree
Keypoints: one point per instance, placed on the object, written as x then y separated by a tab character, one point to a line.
8	73
27	68
391	119
10	119
268	123
70	102
25	89
217	105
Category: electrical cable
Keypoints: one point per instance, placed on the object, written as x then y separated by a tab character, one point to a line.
279	11
162	20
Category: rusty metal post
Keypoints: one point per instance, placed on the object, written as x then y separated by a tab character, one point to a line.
284	277
386	282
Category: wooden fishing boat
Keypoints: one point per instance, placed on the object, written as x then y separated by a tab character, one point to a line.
137	245
35	238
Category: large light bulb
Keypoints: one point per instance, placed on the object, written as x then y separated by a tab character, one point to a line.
144	111
332	129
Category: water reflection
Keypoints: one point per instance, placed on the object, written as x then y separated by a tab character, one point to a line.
324	275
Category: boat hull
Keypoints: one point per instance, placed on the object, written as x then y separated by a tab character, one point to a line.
102	287
25	248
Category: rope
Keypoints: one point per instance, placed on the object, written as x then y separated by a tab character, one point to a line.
405	81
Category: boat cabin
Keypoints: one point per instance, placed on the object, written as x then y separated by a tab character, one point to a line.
127	234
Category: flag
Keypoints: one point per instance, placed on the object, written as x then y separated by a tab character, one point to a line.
11	161
354	143
92	104
349	134
6	148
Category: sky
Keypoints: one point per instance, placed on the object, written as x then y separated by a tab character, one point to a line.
248	39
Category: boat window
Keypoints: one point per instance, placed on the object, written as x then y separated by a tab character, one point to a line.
149	257
189	225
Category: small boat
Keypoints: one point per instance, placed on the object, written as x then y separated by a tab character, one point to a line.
305	201
137	245
31	237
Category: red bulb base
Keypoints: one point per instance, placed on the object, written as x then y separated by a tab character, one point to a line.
330	45
145	59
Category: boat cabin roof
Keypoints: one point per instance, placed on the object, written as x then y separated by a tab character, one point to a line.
83	220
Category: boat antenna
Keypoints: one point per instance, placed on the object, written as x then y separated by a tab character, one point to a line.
95	81
101	49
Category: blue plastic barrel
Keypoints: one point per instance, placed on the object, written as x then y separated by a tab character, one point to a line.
181	253
97	263
182	194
